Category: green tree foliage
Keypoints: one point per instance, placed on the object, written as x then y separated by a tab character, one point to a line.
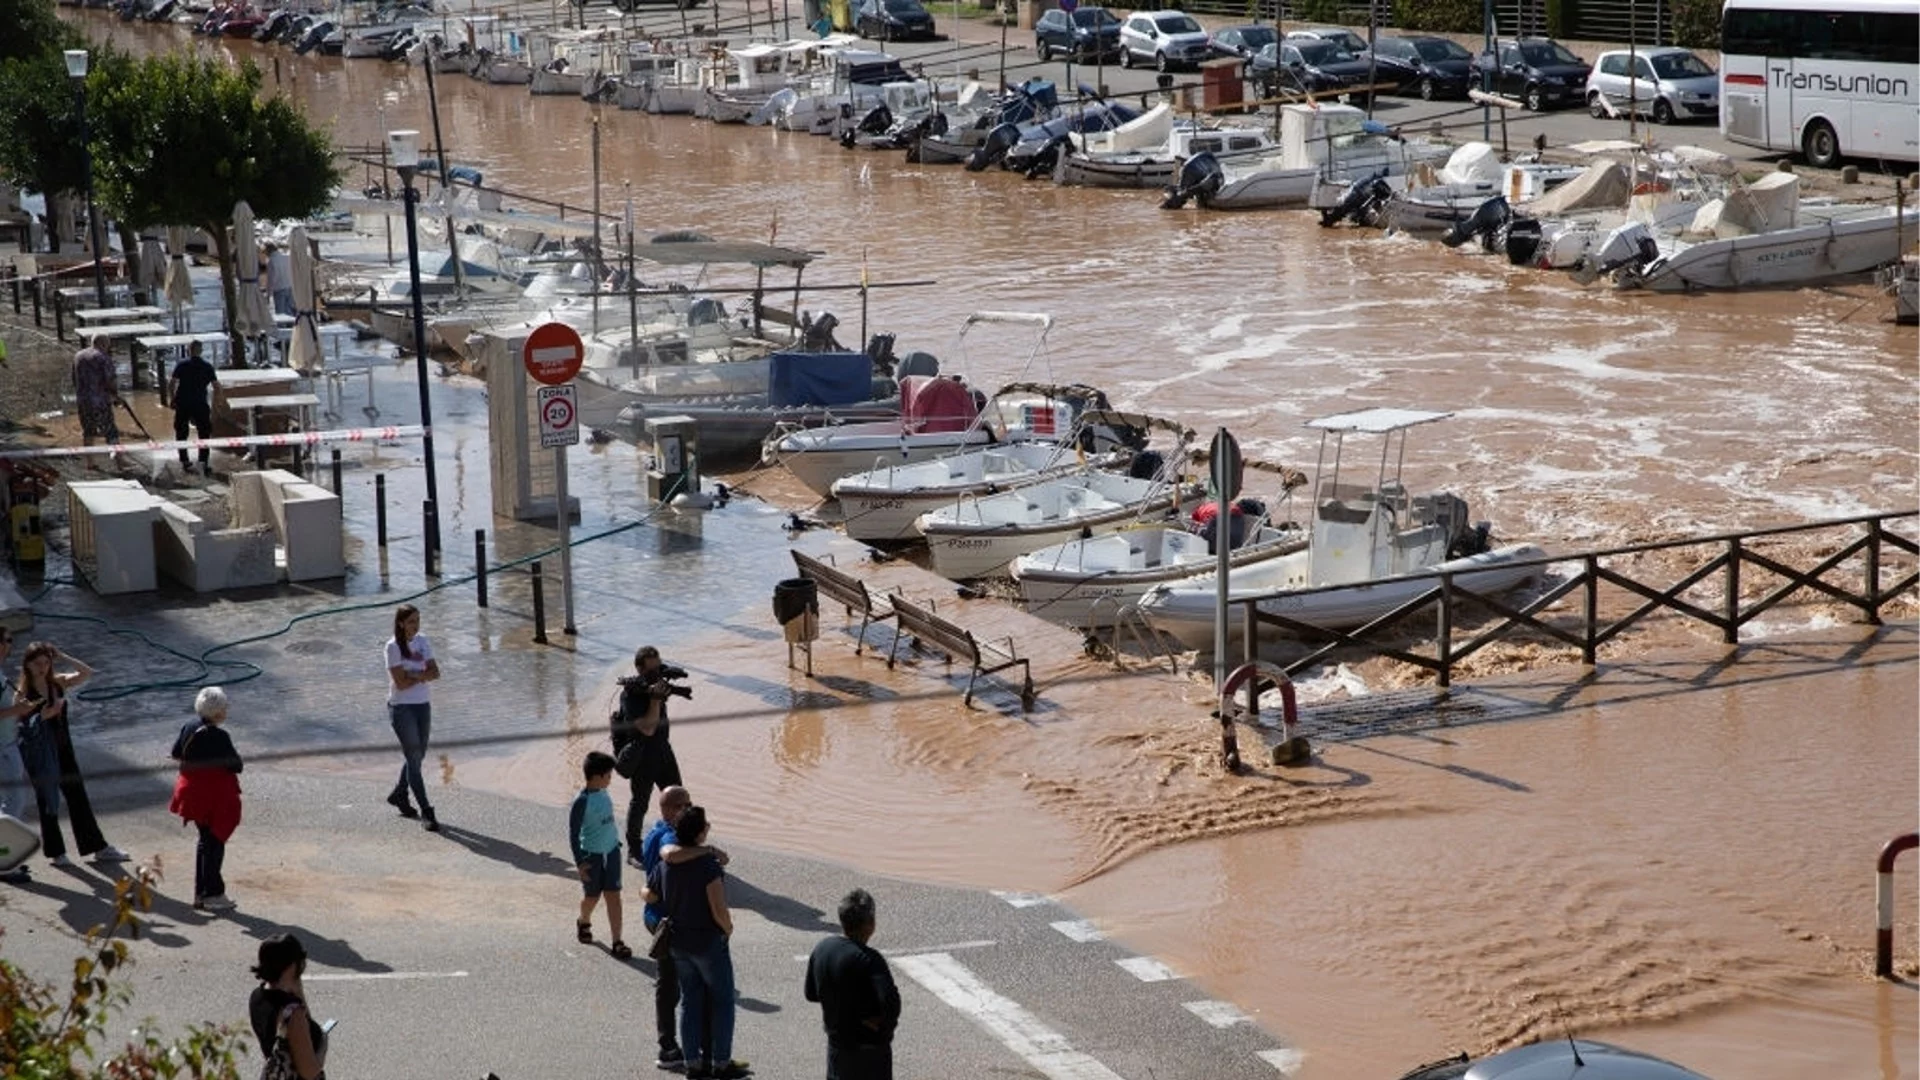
30	28
1445	16
1696	23
42	150
180	139
47	1033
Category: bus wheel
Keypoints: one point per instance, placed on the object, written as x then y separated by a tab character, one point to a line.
1821	145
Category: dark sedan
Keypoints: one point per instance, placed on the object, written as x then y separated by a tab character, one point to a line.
1432	67
1082	34
1320	67
1542	73
1243	41
893	20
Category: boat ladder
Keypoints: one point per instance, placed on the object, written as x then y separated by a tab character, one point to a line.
1127	619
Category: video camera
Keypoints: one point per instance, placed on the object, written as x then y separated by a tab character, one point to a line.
660	681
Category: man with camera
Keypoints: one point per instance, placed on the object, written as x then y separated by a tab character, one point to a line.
641	752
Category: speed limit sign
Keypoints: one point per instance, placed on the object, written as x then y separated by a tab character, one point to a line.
559	417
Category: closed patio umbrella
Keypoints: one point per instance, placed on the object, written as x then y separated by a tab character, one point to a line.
250	316
179	286
303	351
153	266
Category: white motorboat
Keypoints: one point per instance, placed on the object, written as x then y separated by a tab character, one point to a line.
1902	282
939	416
1091	582
499	52
1323	143
566	61
1471	176
1371	550
739	89
979	537
1761	235
1146	152
662	83
882	504
844	76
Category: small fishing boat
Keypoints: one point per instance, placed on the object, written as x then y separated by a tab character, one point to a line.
979	537
1372	549
1092	582
1317	143
882	504
1146	152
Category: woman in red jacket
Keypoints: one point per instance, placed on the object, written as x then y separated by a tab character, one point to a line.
207	794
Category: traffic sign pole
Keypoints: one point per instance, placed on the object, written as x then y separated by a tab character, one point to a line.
1225	461
552	356
565	513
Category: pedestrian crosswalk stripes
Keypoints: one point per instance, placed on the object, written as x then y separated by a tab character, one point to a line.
1221	1014
1146	969
1287	1061
1021	899
1046	1050
1081	930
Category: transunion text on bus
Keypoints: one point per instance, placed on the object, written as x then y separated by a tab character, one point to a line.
1864	85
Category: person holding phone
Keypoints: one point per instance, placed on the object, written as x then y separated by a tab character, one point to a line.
411	669
294	1044
46	744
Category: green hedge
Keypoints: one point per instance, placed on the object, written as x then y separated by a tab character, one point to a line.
1445	16
1696	23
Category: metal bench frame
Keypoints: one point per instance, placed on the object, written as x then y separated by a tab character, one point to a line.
984	658
844	589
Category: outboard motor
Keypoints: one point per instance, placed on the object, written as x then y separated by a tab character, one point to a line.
706	311
1043	162
1364	202
918	363
266	30
880	351
1630	247
1491	215
1146	464
1199	178
1523	237
398	45
994	147
315	35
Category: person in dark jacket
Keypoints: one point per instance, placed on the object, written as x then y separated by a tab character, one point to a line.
207	793
859	1004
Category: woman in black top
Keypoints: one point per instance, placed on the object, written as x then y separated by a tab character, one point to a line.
290	1039
47	747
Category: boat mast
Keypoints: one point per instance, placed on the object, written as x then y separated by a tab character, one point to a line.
446	183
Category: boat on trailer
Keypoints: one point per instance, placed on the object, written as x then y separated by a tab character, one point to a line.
1376	546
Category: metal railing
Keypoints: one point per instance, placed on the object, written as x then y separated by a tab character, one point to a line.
1589	631
1883	888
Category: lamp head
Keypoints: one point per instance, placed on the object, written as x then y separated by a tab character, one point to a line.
76	63
404	149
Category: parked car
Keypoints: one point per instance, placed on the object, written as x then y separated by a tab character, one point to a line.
1339	35
1306	64
1541	72
1242	41
1083	34
1432	67
892	20
1166	39
1667	81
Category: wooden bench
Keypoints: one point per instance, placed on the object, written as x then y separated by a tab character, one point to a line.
844	589
959	643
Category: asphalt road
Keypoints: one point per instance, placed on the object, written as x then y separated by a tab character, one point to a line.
453	955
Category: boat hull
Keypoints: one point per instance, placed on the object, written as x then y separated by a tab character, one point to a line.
962	551
1074	585
1805	255
820	462
874	512
1187	613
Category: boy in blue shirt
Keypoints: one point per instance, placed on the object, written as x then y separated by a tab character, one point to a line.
596	851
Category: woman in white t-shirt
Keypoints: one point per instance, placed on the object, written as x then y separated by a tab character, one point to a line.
410	667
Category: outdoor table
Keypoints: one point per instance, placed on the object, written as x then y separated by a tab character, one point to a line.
73	296
216	341
117	314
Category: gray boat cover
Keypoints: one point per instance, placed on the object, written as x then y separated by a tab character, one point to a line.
1604	186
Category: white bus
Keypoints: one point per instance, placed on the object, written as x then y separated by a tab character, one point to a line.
1825	78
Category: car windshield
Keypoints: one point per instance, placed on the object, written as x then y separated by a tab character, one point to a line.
1547	52
1680	66
1094	17
1253	37
1321	52
1177	24
1439	49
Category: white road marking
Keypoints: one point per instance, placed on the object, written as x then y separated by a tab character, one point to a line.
344	976
1147	969
1005	1019
1021	899
1081	930
953	947
1286	1061
1221	1014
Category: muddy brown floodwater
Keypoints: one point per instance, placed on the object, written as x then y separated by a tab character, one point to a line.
1676	854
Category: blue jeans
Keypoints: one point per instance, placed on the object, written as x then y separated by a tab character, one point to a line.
706	1001
413	724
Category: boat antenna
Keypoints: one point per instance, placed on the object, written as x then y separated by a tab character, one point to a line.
1578	1061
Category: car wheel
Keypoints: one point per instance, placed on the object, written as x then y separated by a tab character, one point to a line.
1821	145
1535	100
1126	57
1046	52
1662	112
1595	108
1427	92
1160	61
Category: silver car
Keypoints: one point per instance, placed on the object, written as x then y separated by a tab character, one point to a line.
1667	82
1165	39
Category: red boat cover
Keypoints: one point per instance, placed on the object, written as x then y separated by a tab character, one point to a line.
931	404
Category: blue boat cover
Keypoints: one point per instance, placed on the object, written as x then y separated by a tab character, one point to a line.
824	378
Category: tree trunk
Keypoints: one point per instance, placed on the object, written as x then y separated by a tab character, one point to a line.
229	294
130	246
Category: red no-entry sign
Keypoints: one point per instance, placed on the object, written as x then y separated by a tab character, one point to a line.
553	353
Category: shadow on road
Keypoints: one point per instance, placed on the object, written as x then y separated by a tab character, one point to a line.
512	854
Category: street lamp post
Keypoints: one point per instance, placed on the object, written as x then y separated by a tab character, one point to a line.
77	71
404	148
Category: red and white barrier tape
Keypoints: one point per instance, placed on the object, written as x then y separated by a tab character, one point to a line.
237	442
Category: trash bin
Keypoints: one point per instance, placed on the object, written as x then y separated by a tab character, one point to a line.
1222	85
796	607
